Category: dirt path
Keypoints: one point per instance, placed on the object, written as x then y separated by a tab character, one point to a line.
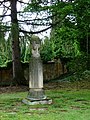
48	86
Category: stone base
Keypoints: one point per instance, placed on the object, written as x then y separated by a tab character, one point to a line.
36	102
36	94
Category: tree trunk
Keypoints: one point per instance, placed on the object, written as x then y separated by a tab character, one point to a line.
18	75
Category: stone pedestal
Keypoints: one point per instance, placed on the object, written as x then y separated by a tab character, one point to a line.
36	93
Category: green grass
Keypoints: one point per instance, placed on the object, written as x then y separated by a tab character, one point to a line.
67	105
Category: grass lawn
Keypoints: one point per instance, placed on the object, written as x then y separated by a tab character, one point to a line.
67	105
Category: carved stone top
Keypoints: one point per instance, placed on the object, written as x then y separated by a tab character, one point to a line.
35	48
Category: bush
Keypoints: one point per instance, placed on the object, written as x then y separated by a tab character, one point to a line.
47	51
78	64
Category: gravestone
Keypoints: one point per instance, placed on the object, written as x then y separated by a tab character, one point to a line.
36	93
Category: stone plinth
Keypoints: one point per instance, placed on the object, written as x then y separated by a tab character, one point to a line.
36	102
36	94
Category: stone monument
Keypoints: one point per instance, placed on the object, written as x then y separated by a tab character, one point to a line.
36	93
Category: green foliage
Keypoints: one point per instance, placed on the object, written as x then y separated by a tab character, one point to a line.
79	76
82	15
47	50
25	48
86	75
36	6
5	48
65	40
78	64
78	68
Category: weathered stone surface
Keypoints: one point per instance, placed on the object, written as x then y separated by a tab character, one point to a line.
36	94
36	73
36	102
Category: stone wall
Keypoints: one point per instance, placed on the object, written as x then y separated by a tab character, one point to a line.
51	70
5	76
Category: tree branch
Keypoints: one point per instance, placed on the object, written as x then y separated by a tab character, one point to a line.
38	19
22	2
36	32
1	2
6	7
5	15
37	24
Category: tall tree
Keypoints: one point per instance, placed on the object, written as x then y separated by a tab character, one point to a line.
18	74
82	14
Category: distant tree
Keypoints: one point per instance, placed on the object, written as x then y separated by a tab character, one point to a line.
25	48
5	47
82	15
47	50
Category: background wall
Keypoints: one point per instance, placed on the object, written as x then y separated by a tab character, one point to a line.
51	70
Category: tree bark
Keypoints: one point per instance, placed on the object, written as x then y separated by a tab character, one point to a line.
18	74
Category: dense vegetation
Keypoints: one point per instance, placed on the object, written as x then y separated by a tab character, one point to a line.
70	33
